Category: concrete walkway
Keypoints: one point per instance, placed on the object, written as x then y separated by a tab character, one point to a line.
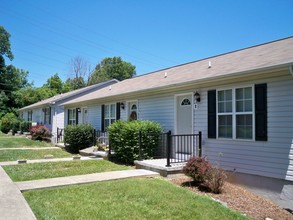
12	203
49	160
81	179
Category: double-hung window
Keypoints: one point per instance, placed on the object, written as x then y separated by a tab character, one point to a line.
72	116
47	115
30	116
110	114
235	113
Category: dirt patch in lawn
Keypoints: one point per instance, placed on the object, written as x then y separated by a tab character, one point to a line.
239	199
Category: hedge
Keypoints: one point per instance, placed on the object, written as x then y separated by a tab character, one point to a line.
124	139
78	137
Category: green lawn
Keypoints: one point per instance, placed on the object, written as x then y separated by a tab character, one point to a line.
13	155
19	142
125	199
58	169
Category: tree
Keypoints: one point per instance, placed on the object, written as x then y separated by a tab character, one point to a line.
79	73
55	83
112	68
30	95
5	49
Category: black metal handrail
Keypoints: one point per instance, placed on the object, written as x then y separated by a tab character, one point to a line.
176	148
60	135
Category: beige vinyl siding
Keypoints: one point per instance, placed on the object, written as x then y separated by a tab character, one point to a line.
159	109
272	158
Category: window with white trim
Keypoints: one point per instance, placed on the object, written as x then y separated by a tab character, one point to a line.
30	116
110	114
235	113
72	116
47	115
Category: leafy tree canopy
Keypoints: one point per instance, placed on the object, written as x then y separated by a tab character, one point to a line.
112	68
55	83
5	49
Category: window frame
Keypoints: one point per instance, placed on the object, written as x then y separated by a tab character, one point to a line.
72	121
47	113
110	118
30	115
234	113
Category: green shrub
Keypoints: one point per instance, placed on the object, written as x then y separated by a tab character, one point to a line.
124	139
9	122
78	137
40	133
197	168
25	126
203	173
215	180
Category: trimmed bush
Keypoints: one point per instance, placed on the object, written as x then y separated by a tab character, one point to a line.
9	122
203	173
124	139
25	126
215	180
40	133
197	168
78	137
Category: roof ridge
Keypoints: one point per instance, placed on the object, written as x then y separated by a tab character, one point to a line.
222	54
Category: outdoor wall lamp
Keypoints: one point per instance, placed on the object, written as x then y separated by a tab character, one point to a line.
197	96
78	110
122	105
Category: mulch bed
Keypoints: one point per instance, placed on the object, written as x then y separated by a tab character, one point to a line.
239	199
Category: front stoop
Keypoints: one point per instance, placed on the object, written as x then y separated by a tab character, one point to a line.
159	166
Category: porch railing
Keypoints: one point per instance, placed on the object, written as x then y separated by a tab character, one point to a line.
60	135
175	148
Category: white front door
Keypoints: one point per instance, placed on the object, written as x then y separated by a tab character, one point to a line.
184	114
84	116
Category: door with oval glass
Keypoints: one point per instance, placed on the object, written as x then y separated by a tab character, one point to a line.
132	110
184	114
84	116
184	124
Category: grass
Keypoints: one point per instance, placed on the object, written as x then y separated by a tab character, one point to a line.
59	169
20	142
125	199
13	155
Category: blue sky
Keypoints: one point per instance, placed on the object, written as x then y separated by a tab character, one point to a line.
151	34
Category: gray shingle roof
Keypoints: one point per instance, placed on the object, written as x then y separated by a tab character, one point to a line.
63	96
268	55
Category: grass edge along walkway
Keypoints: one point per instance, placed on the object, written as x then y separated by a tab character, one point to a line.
135	198
35	171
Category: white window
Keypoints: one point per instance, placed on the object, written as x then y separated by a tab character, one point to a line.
30	116
110	114
185	102
47	115
72	116
235	113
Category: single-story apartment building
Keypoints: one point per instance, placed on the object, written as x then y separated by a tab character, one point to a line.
50	112
241	101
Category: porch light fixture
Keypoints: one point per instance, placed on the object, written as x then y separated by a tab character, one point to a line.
78	109
122	105
197	96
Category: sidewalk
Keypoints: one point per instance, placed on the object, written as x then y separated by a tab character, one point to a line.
48	160
14	206
12	203
81	179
